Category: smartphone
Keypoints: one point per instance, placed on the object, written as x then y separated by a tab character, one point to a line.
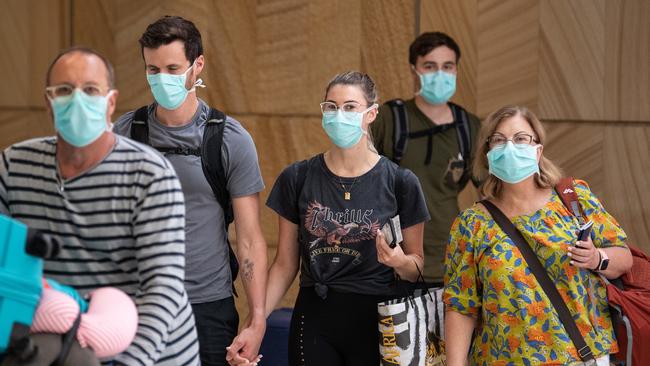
392	232
585	231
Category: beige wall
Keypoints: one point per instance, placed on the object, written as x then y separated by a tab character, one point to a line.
582	65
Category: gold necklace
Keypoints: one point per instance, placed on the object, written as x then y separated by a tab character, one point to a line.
346	193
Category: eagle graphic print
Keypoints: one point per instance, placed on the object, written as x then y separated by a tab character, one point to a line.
334	228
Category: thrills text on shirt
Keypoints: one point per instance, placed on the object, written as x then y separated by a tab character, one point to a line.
358	216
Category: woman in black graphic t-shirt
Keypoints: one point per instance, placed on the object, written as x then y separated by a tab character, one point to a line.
330	209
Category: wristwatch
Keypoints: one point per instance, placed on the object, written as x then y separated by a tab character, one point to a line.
603	261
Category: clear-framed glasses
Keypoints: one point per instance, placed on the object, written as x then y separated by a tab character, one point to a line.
519	139
331	107
65	90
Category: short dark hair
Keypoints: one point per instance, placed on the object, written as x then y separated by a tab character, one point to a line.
87	51
169	29
426	42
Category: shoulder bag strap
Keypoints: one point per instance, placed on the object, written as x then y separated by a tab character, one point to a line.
542	277
569	197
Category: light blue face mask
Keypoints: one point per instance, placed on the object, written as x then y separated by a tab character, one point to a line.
80	118
344	128
437	87
513	163
169	90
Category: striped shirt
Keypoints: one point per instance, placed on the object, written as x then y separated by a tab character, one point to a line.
121	224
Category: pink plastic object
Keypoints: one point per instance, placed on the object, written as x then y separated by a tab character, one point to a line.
107	328
55	313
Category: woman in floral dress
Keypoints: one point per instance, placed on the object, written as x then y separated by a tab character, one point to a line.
489	288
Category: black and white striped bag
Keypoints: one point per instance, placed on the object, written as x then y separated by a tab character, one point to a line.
412	329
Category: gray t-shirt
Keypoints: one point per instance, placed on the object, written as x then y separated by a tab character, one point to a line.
207	270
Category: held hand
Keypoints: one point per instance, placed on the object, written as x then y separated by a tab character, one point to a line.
244	348
392	257
240	361
584	254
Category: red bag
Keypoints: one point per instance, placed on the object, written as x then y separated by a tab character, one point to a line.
630	309
628	295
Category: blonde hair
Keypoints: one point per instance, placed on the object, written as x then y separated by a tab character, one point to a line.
549	173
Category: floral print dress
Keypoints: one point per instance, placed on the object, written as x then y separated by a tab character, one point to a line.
486	276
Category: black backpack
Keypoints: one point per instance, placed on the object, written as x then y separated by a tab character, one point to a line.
401	132
210	153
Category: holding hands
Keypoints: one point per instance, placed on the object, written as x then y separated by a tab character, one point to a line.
245	347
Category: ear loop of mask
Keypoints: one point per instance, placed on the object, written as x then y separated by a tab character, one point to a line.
198	82
419	79
373	106
110	124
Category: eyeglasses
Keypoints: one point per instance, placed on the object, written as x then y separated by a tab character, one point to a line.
520	138
65	90
331	107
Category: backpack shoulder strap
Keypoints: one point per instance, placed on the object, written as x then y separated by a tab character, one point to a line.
399	182
463	130
566	190
215	174
211	161
400	128
301	175
139	125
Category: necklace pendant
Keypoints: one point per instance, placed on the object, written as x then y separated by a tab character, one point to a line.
346	196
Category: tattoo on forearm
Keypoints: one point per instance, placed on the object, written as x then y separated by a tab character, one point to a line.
247	270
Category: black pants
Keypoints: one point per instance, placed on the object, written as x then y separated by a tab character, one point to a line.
340	330
216	326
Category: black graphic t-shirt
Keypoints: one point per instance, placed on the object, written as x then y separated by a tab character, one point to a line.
337	236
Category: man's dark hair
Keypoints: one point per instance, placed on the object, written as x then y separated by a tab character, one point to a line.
426	42
87	51
170	28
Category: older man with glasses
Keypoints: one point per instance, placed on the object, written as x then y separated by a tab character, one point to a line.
116	206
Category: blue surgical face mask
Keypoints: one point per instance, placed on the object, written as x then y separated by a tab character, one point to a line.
513	163
344	128
80	118
169	90
437	87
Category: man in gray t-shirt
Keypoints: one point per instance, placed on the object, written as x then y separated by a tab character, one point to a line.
173	57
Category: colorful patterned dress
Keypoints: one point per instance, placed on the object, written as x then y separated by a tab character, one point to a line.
487	276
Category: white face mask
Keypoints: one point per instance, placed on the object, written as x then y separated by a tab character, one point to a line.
80	118
345	128
437	87
169	90
513	163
